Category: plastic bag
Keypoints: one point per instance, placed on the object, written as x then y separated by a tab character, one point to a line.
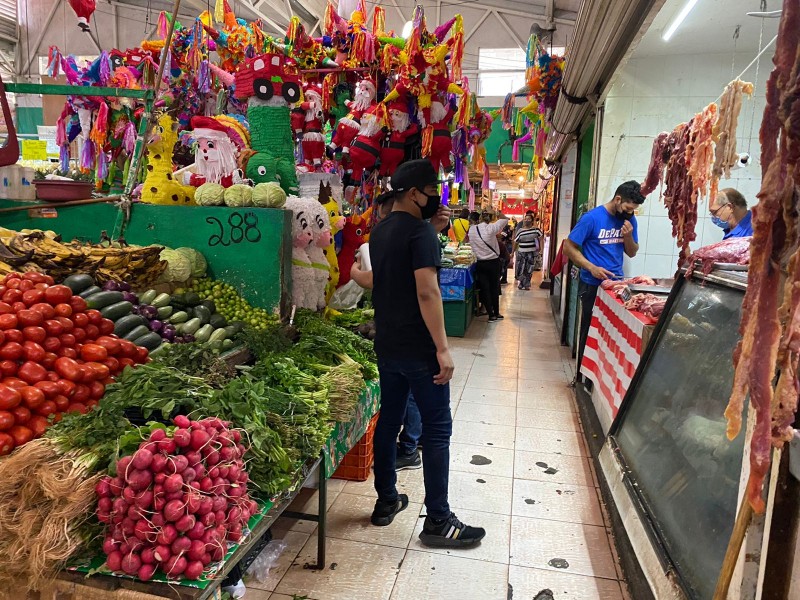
346	297
268	559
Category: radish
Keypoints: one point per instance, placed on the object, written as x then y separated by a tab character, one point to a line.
114	560
234	515
122	466
225	438
194	458
220	516
174	495
109	545
103	488
119	507
220	486
144	531
197	550
208	519
129	494
174	510
199	471
115	486
199	439
185	523
212	458
145	499
193	570
136	514
135	544
195	485
182	437
142	459
196	532
214	473
234	472
167	446
146	572
124	549
223	472
235	534
175	566
189	474
151	447
159	503
173	483
228	453
105	505
218	553
236	491
219	503
148	556
157	435
241	449
193	500
162	553
131	563
206	560
180	545
158	519
167	535
182	421
206	505
159	463
237	435
139	480
206	484
128	526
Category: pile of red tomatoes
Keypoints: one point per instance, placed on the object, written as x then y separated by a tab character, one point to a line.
56	356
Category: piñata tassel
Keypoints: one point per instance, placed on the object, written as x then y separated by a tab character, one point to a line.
86	163
330	19
427	141
457	56
63	158
229	18
99	133
378	21
105	68
163	24
102	168
219	11
327	91
471	198
53	62
485	182
129	137
293	30
61	128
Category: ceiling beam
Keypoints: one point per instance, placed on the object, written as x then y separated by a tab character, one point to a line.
528	15
34	50
399	12
485	16
510	31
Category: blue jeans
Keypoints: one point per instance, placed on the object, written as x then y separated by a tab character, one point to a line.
398	378
412	429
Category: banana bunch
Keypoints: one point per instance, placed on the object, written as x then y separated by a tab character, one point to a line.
34	250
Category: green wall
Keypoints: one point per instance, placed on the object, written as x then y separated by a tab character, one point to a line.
255	256
496	140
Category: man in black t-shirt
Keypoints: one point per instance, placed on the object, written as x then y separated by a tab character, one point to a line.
412	350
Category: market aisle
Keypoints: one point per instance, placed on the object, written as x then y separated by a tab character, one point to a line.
519	468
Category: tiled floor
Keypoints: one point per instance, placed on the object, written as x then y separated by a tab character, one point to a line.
547	534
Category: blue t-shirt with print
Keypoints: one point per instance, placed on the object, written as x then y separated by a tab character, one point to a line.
744	228
599	234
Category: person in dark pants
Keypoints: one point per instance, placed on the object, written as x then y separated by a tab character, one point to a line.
597	244
485	246
413	353
408	456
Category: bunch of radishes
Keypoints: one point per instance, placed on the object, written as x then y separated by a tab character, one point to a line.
177	501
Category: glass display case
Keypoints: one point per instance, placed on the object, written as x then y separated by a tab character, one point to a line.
680	468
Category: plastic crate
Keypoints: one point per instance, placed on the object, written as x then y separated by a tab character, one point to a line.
356	464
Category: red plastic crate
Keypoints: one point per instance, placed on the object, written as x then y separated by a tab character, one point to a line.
356	464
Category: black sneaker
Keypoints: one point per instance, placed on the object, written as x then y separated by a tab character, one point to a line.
450	533
384	512
499	317
492	319
408	461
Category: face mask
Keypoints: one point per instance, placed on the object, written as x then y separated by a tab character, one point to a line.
721	223
431	207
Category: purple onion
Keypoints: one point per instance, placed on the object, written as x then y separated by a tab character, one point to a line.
130	297
156	325
169	334
124	287
188	338
111	286
148	312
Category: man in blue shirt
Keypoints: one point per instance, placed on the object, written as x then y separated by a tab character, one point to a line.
596	245
729	212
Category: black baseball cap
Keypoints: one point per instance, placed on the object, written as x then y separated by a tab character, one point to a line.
631	191
414	174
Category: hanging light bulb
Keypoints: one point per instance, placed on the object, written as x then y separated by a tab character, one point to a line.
407	29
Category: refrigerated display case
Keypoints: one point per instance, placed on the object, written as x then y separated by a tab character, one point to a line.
681	472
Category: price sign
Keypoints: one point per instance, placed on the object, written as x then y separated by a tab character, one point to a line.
236	229
34	150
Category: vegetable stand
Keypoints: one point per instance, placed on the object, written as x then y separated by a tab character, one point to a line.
456	285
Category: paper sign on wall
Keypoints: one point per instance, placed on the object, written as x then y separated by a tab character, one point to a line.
34	150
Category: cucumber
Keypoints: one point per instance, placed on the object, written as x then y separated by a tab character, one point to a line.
90	291
102	299
161	300
127	323
151	341
215	345
217	320
227	344
192	299
209	304
179	317
230	331
202	313
117	311
218	335
78	283
165	312
136	333
203	334
191	326
178	300
148	297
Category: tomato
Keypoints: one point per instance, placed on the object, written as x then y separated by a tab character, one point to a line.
51	375
38	424
94	316
22	435
48	312
32	397
53	327
141	354
67	340
106	327
80	320
7	420
21	415
126	362
100	370
68	369
47	408
8	321
78	407
30	318
92	332
8	368
82	393
66	323
63	310
127	348
11	351
12	296
78	304
80	334
35	277
62	402
18	306
9	398
51	344
25	286
111	344
13	284
6	444
14	383
67	387
33	352
50	388
32	372
91	404
68	352
58	294
32	297
5	308
13	335
34	334
49	360
111	362
96	390
93	353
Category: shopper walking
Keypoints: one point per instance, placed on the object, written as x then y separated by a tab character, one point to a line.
460	226
526	245
413	353
597	244
483	239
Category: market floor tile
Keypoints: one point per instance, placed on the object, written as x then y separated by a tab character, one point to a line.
513	407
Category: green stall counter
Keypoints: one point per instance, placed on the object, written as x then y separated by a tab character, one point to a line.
248	248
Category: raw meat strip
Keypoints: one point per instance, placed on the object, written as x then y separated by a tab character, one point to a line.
700	151
725	155
658	158
678	197
733	250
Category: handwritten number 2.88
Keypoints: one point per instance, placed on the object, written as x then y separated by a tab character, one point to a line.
236	230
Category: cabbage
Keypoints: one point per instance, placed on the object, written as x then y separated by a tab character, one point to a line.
239	195
179	267
197	260
269	195
210	194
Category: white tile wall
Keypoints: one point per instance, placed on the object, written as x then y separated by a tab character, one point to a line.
651	95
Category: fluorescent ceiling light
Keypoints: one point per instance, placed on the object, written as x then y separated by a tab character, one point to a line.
678	20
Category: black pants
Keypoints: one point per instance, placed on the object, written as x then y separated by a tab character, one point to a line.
487	272
587	294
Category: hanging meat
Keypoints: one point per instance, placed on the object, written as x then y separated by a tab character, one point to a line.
725	155
770	332
658	158
700	151
678	199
